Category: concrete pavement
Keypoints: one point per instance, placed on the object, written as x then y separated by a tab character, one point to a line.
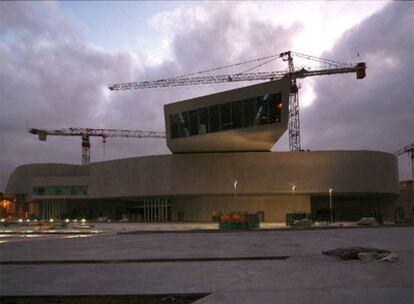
306	276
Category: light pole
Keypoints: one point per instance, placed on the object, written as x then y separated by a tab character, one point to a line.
293	196
235	189
330	204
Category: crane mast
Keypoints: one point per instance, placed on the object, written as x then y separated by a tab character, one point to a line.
294	123
330	67
86	133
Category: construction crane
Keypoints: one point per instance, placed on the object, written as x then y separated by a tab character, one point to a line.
410	150
328	67
86	133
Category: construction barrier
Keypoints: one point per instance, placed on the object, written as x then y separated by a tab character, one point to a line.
239	221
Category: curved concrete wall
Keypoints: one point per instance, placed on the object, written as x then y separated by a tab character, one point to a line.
25	177
256	172
213	174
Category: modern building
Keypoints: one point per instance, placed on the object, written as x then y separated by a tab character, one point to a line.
221	162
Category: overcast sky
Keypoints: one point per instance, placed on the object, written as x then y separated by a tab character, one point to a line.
57	59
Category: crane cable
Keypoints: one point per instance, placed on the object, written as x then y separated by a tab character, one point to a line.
273	57
322	60
257	66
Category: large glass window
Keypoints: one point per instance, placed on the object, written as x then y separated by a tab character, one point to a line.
214	118
261	109
226	122
60	190
175	125
203	127
227	116
193	119
237	114
73	191
183	120
249	111
275	107
39	191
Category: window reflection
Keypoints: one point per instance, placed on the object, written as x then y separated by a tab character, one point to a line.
203	126
233	115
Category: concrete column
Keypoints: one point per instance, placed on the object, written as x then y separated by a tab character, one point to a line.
165	210
155	209
159	210
156	217
148	210
151	211
145	211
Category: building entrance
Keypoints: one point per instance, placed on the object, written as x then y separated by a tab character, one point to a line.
156	210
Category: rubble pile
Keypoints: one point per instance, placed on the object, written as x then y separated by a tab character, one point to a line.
362	253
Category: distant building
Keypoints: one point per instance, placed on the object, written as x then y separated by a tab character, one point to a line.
216	140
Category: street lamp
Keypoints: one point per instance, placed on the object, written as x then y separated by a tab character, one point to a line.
293	196
235	189
330	204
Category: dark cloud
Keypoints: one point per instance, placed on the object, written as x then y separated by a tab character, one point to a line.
49	78
375	113
52	78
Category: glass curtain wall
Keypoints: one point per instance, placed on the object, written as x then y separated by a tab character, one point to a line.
245	113
60	190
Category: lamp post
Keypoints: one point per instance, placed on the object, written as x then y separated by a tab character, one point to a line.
293	187
330	204
235	189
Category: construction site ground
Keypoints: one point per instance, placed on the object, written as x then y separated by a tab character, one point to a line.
269	266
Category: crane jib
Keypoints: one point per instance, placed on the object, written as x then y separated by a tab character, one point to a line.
359	69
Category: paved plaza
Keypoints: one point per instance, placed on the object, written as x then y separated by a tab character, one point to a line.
306	276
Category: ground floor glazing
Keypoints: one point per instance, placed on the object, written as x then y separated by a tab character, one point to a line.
271	208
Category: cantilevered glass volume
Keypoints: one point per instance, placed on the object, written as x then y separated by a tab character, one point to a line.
238	114
250	118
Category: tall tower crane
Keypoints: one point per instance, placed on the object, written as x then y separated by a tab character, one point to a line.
86	133
410	150
328	67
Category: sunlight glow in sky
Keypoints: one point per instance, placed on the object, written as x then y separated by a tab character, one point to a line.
148	27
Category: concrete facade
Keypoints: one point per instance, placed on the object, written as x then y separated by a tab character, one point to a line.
197	185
